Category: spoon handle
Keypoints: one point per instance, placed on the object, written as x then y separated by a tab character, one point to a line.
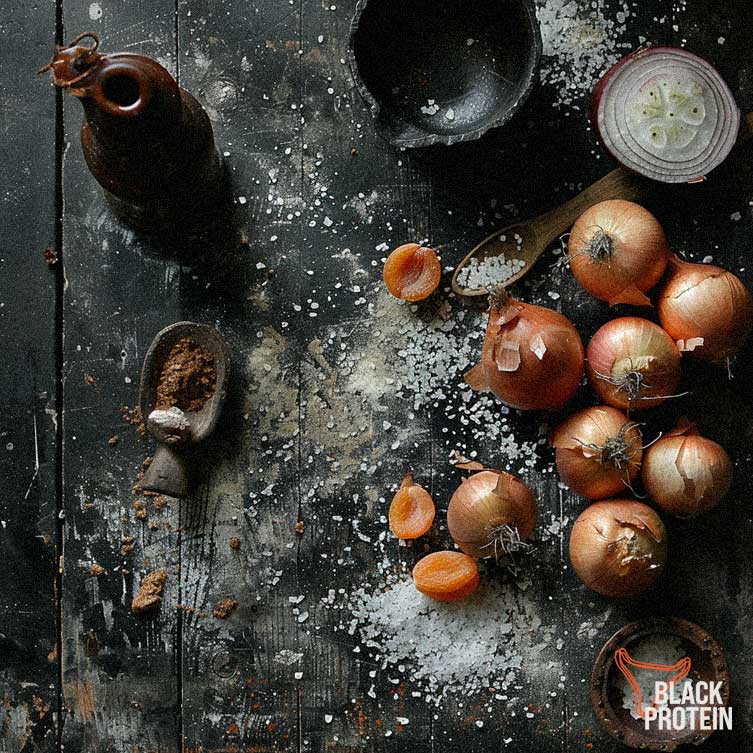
619	184
167	473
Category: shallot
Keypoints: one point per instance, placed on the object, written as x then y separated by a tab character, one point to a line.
618	547
532	357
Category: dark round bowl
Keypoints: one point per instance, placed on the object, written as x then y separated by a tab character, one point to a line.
443	71
707	663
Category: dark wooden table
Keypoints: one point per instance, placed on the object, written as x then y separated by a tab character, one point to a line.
302	439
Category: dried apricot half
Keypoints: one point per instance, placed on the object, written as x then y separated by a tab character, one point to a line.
411	511
412	272
446	576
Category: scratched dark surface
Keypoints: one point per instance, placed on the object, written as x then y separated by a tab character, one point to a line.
80	672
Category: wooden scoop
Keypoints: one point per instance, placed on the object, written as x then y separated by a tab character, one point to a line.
168	473
528	240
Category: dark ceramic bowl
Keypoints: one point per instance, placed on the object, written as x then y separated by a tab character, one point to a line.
443	71
607	683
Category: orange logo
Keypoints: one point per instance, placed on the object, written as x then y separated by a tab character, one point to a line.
676	672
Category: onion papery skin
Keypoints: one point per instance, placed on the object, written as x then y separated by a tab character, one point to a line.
665	113
532	357
446	576
630	350
702	301
687	475
592	472
618	252
618	547
485	502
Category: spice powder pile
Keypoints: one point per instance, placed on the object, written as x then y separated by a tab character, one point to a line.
188	378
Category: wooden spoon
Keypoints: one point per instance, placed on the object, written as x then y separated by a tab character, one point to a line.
528	240
168	472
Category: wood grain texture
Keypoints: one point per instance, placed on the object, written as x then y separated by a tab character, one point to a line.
239	686
120	671
28	453
314	436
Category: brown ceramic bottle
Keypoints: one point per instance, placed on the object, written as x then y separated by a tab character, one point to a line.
148	142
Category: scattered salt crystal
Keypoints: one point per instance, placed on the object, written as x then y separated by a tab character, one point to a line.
450	114
451	648
328	718
580	42
242	200
708	259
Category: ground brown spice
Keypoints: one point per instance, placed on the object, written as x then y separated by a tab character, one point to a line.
149	596
188	377
224	609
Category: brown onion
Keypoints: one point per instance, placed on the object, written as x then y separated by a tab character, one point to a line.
686	474
707	310
532	357
633	363
618	251
491	514
618	547
598	451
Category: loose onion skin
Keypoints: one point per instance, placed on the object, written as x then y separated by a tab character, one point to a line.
618	547
411	511
665	113
412	272
491	514
598	451
633	363
706	309
686	474
618	252
446	576
532	357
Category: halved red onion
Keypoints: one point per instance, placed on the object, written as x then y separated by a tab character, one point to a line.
666	113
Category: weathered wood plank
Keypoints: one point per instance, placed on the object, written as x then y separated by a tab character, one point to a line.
28	507
120	678
240	690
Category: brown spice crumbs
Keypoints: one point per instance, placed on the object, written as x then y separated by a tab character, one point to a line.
188	377
299	526
126	547
140	506
91	644
50	256
96	570
112	441
90	380
224	609
159	502
149	596
235	543
133	416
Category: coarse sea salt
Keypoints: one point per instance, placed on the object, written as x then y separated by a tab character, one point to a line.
483	642
580	43
488	272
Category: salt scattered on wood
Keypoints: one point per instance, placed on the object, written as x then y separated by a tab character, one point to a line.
483	642
580	43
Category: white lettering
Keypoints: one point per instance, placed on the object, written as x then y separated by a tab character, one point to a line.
651	713
660	693
715	694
